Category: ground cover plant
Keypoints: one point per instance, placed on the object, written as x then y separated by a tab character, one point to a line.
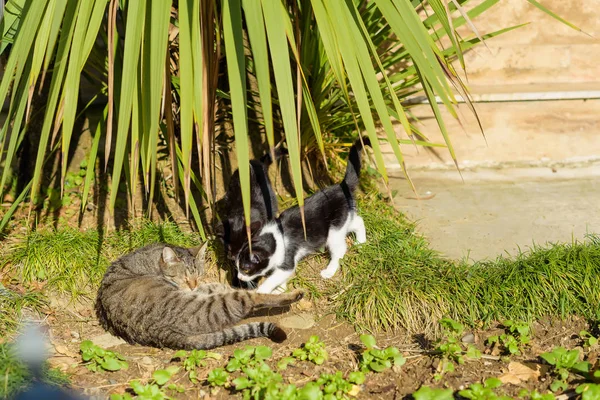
450	349
374	293
249	373
515	337
566	362
193	360
98	359
153	390
378	360
255	371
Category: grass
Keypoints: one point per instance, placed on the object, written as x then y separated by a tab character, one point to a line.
396	281
12	303
393	281
14	376
72	262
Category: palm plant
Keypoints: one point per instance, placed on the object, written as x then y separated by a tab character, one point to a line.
310	71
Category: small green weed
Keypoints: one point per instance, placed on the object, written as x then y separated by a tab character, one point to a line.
259	383
218	377
450	349
334	386
313	350
535	395
564	361
193	360
373	359
515	338
153	390
485	391
428	393
249	356
588	391
99	359
588	339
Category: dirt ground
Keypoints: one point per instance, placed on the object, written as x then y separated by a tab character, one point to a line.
70	325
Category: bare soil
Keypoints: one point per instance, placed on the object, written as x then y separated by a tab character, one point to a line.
72	324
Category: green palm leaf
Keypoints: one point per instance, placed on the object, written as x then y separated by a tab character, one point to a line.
133	41
232	31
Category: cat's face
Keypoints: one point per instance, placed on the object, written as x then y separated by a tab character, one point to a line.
183	270
251	266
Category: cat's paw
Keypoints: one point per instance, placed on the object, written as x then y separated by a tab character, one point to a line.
327	273
361	239
297	294
262	290
280	289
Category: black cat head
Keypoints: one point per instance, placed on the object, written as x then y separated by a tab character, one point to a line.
251	266
232	233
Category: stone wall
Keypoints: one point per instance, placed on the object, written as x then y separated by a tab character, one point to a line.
543	52
543	60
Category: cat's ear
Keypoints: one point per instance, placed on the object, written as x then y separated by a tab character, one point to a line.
200	254
255	226
169	257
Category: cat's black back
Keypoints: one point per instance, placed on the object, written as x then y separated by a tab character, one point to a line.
263	203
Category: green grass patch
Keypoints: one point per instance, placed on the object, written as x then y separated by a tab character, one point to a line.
14	376
393	281
12	303
396	281
72	262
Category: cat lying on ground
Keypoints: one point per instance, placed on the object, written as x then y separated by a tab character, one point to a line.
154	297
330	215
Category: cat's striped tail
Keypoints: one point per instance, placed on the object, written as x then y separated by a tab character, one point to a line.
353	167
235	334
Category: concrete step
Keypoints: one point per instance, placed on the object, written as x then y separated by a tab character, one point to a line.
502	211
516	133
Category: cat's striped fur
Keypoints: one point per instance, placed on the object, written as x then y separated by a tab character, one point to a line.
154	297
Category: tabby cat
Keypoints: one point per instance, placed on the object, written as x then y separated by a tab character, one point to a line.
155	296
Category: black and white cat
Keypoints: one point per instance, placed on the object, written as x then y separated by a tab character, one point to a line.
330	215
263	203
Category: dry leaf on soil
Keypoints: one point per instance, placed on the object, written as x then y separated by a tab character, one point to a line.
64	350
518	373
355	391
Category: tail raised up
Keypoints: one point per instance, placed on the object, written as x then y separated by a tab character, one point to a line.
354	162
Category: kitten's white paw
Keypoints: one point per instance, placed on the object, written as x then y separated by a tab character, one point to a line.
280	289
327	273
262	290
361	239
